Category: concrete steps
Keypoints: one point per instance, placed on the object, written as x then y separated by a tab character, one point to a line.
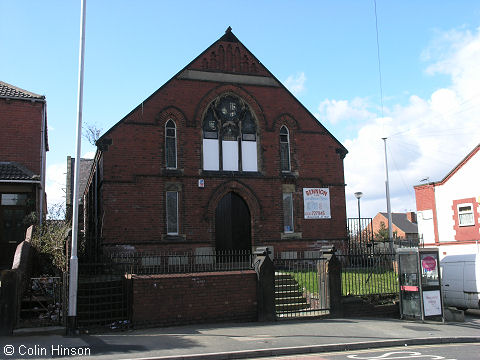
288	294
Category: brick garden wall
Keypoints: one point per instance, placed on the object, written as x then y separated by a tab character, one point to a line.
173	299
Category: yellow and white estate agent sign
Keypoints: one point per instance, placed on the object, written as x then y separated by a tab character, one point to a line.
316	203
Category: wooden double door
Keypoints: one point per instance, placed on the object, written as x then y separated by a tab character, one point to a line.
232	224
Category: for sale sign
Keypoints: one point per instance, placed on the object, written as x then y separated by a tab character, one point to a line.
316	203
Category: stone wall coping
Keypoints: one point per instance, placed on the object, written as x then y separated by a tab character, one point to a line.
194	275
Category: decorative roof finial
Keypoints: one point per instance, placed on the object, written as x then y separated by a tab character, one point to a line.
229	30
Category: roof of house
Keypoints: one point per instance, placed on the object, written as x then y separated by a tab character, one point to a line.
400	220
455	169
14	92
13	171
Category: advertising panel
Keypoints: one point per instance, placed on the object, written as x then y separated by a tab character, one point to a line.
316	203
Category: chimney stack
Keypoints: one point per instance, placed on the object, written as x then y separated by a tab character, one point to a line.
412	217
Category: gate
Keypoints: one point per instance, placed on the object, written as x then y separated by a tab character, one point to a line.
301	284
42	303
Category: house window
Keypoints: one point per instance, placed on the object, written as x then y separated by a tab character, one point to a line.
13	199
284	149
287	213
172	212
465	215
171	145
229	136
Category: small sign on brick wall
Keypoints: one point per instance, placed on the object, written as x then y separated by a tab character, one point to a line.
316	203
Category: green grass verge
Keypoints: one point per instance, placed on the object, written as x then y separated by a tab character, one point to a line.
354	282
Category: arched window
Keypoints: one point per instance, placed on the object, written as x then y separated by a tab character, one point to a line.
229	136
210	142
249	143
284	149
170	145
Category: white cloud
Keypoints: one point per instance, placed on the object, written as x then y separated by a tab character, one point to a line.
426	137
88	155
55	183
296	84
335	111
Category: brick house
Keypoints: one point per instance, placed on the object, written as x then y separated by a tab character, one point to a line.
448	210
222	156
404	224
23	147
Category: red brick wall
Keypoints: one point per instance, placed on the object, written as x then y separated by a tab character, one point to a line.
136	178
466	233
135	175
20	134
194	298
425	198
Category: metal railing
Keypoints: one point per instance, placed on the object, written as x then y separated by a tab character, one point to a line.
153	262
369	274
150	263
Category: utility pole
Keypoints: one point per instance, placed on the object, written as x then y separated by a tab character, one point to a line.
73	283
387	188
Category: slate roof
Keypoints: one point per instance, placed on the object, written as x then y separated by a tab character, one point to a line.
85	167
12	171
400	220
13	92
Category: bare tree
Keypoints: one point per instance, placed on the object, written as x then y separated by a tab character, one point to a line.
92	132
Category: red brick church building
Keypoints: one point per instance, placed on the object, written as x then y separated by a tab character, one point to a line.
222	156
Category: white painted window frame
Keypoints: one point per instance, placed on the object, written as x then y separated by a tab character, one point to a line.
471	223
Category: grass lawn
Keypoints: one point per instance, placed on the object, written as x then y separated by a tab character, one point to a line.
366	282
354	282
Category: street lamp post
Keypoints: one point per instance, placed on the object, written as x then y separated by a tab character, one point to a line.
358	195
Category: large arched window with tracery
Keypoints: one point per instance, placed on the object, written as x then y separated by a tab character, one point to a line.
229	136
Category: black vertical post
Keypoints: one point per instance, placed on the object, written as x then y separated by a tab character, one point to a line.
265	286
8	301
335	286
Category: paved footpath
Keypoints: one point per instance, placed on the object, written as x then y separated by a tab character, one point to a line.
236	341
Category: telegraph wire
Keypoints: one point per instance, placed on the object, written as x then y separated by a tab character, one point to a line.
378	57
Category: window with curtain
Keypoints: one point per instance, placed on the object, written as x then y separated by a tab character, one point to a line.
465	215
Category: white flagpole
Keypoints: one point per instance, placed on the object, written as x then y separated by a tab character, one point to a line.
73	283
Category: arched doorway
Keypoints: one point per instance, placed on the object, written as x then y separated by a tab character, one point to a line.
232	224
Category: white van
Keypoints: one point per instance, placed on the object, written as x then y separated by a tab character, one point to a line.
461	281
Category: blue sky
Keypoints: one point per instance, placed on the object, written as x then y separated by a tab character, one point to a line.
324	51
